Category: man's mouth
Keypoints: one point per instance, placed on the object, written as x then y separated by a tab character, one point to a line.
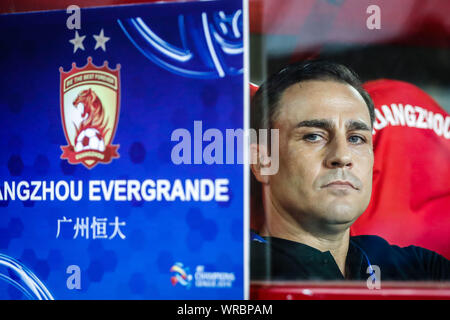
340	184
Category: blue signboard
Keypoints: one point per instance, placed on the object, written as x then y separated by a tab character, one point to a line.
121	170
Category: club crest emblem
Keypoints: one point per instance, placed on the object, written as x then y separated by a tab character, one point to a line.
90	112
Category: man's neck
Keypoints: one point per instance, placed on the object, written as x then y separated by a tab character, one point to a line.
282	225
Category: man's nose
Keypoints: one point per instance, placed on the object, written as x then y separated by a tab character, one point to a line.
339	154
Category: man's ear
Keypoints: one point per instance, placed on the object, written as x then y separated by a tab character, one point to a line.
259	160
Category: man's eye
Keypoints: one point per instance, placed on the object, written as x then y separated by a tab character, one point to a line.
356	139
312	137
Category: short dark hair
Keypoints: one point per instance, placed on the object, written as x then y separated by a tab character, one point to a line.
264	105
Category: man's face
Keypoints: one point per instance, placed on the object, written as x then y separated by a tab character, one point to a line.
326	155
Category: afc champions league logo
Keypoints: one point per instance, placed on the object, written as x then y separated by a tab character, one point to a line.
181	275
90	113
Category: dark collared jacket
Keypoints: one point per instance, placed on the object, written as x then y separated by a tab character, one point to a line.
279	259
